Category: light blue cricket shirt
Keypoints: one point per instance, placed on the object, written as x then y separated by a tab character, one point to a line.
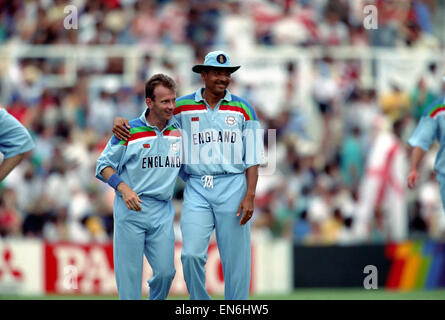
149	161
226	140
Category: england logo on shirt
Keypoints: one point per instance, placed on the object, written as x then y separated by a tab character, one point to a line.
230	120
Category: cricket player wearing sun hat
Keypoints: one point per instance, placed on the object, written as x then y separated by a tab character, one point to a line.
222	152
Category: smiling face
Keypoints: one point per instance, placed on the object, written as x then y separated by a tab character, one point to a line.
216	80
162	104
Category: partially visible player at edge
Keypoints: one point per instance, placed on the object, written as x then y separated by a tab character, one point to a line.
15	142
430	128
220	191
143	171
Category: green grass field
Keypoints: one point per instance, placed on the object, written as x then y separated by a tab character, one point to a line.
303	294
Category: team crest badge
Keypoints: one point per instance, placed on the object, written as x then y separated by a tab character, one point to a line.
221	58
230	120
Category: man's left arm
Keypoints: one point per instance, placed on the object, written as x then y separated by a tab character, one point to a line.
247	206
253	145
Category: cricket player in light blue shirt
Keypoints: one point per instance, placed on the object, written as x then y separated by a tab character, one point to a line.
222	145
143	169
15	141
430	128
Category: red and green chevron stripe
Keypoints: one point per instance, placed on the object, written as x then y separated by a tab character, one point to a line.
138	133
237	107
436	110
189	105
172	132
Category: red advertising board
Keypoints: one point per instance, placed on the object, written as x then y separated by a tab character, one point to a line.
88	269
83	269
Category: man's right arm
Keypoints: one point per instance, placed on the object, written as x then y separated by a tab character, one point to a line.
423	137
130	197
108	168
416	158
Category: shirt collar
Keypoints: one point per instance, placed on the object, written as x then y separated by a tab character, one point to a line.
171	122
199	97
143	115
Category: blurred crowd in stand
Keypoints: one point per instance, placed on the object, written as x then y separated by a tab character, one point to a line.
322	192
204	24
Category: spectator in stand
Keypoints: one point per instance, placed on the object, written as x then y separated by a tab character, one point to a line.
359	37
10	219
430	209
30	85
289	30
301	228
389	17
28	186
202	28
395	103
173	16
325	89
432	77
332	227
19	110
237	28
414	37
422	12
126	103
265	14
320	209
351	158
421	98
146	25
102	109
87	23
363	113
333	31
382	197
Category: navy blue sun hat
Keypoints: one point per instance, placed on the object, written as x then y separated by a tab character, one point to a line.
215	59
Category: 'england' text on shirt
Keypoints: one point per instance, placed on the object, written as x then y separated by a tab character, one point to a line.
161	162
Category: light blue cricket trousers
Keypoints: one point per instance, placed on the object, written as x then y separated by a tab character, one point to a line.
149	232
205	209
